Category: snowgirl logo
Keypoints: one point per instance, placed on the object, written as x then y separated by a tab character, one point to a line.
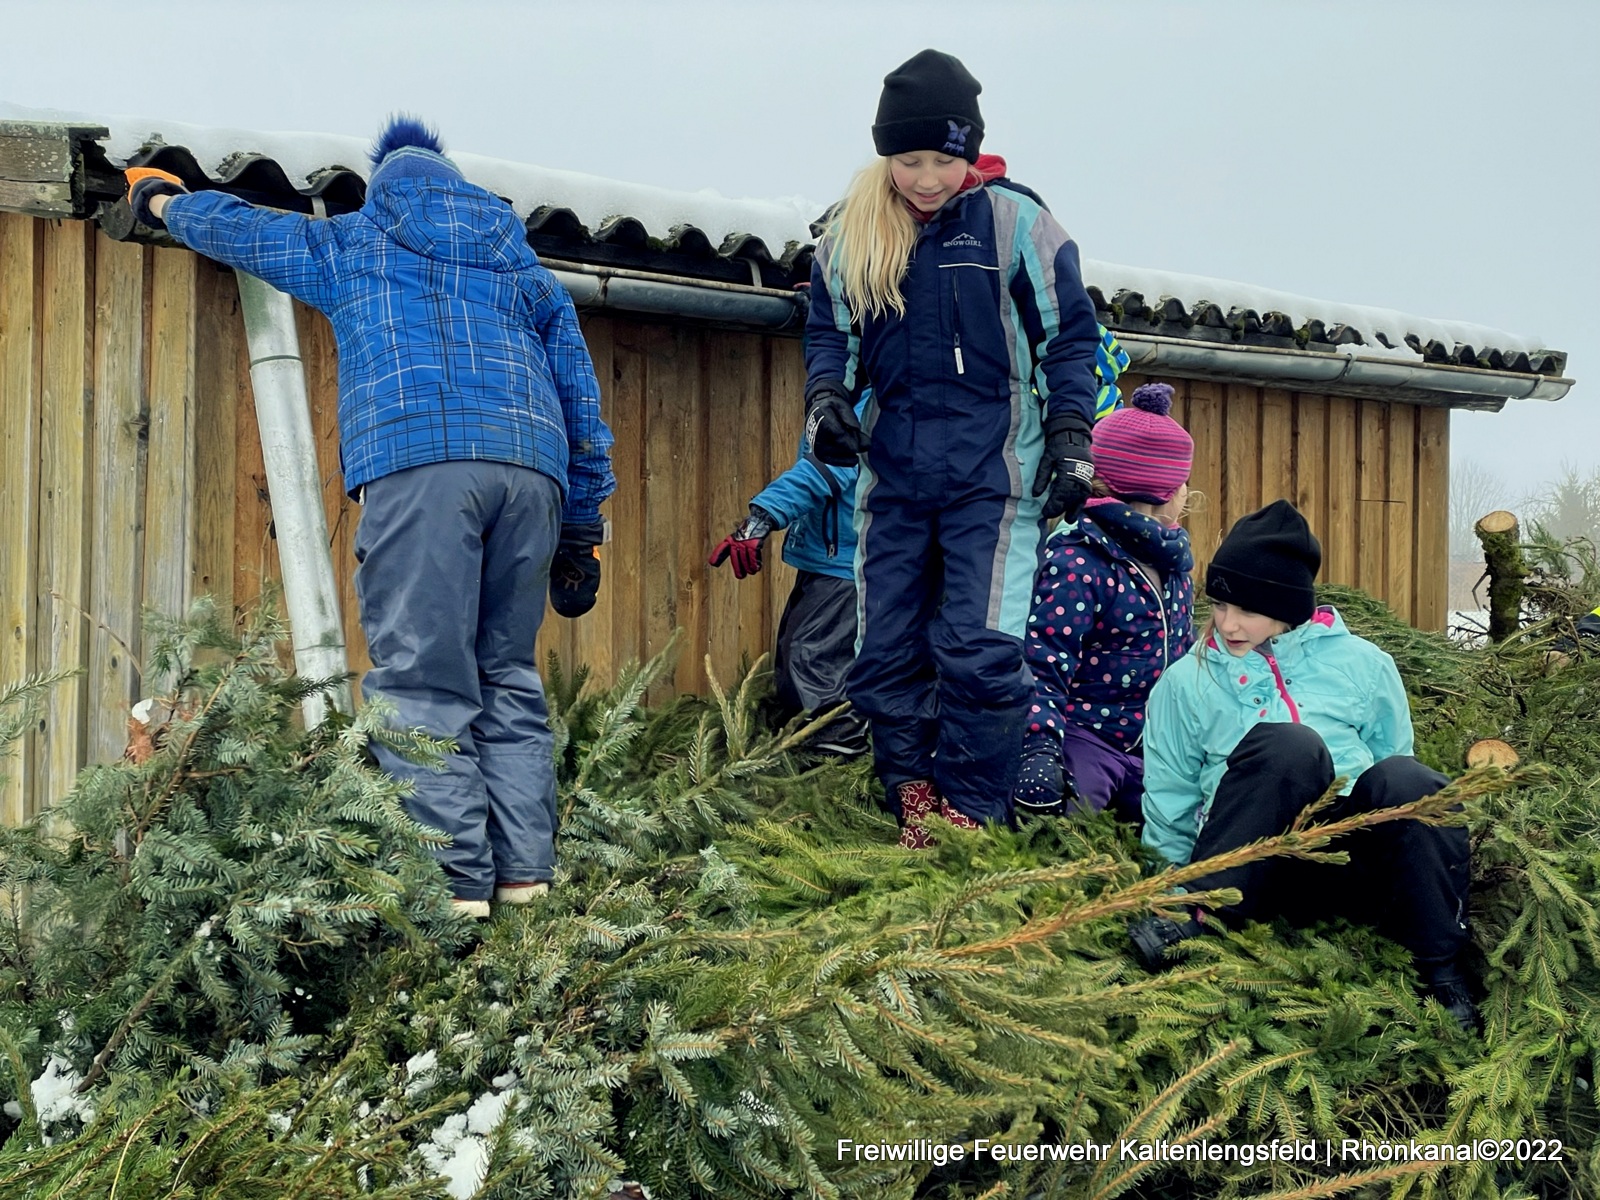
965	240
956	143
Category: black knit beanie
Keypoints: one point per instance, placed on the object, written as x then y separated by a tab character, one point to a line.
929	102
1267	564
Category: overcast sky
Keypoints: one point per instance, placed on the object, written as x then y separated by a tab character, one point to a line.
1440	158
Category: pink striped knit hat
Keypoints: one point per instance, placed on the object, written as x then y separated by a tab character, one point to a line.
1140	452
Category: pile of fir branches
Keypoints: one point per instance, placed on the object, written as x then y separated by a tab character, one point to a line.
230	969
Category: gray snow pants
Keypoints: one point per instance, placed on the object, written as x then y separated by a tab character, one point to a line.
454	568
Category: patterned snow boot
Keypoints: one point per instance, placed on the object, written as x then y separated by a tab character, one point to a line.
917	800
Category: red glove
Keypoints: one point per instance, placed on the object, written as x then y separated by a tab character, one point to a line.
743	545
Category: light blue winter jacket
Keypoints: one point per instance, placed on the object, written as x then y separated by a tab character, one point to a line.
1341	685
816	503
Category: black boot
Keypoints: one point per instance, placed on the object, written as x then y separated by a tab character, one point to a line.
1448	985
1153	936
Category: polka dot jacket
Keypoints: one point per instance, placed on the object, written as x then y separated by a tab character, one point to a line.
1101	632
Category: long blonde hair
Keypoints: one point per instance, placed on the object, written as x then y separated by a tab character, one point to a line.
872	234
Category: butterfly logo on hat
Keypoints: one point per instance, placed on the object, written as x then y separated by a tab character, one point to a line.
956	143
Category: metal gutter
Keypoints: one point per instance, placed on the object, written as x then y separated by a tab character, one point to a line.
1339	372
670	296
278	379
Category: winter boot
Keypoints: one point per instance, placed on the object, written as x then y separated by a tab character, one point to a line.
476	910
1447	984
1153	936
917	800
956	817
519	893
845	737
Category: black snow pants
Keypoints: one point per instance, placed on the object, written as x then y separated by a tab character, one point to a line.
1405	878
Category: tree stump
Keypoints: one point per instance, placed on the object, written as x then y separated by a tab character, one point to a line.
1492	752
1507	571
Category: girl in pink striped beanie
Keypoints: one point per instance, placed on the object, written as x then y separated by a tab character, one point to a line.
1112	607
1141	453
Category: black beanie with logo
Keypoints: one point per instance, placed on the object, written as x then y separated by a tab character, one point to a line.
929	102
1267	564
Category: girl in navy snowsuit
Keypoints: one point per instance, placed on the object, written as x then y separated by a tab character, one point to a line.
955	294
1111	610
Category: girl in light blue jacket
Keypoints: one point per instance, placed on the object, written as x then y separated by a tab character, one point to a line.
1277	699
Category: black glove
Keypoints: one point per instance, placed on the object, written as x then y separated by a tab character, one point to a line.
832	432
575	569
1065	469
743	545
144	185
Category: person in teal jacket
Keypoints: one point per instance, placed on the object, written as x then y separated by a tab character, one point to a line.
816	647
1276	700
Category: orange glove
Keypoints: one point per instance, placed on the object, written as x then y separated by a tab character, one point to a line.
144	185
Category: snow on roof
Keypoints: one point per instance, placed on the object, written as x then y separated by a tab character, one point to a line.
592	198
779	223
1111	278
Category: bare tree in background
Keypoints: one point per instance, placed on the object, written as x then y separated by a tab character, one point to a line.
1474	490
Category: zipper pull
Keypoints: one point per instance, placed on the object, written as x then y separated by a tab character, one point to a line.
961	368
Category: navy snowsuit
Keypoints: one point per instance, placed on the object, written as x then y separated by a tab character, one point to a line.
948	526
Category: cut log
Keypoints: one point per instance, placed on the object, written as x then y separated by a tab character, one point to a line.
1492	752
1507	571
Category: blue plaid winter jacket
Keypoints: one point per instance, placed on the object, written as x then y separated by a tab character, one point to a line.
454	342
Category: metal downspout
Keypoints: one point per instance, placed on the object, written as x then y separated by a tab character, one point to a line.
278	379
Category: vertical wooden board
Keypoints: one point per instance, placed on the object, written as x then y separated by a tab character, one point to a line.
1399	543
1372	490
667	498
19	487
255	548
624	395
786	421
1180	397
1339	547
685	369
1309	467
556	637
170	500
1431	531
1241	480
756	468
1129	382
1277	446
120	421
219	394
592	635
65	499
730	407
1203	402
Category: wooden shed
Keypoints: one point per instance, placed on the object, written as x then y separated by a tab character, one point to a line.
131	474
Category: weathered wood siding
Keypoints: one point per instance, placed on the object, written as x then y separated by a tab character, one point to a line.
1371	477
132	477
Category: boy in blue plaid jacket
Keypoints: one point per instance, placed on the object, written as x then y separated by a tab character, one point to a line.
470	430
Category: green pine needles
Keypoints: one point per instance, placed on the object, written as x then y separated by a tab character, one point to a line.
230	970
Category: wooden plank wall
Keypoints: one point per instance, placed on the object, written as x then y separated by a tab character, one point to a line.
131	477
1372	478
703	420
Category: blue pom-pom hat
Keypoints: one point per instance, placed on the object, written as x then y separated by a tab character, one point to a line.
407	148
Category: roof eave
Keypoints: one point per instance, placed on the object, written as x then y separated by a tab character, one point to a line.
1339	373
